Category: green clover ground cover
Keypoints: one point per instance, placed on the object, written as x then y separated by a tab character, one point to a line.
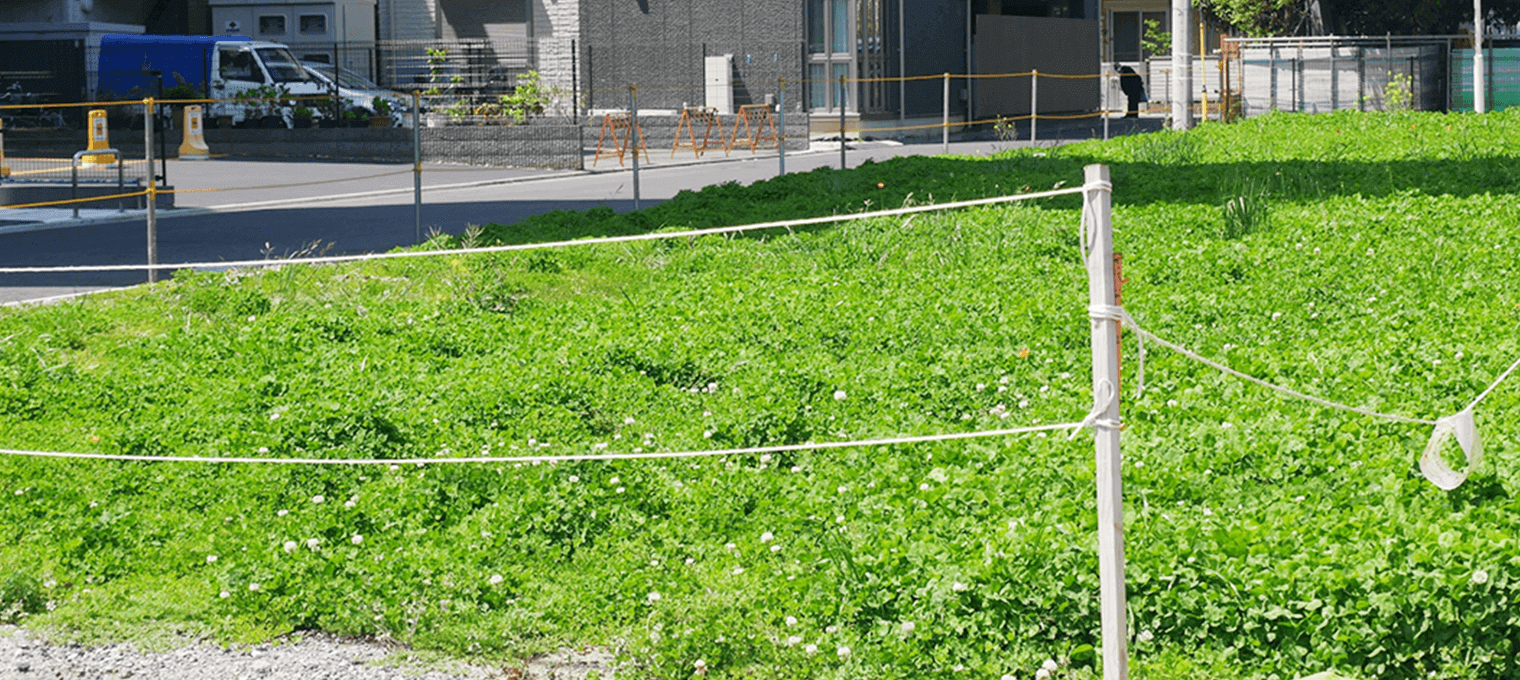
1368	259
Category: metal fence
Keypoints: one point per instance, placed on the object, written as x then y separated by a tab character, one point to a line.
1336	73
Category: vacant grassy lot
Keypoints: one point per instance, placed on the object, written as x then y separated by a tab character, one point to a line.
1366	258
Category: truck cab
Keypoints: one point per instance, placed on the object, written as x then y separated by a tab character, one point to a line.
222	67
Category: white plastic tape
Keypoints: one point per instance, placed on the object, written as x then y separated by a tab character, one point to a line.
1434	466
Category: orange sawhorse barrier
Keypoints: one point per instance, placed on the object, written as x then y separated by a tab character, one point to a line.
690	117
758	126
622	130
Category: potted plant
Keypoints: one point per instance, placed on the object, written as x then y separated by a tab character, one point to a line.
356	118
382	117
302	117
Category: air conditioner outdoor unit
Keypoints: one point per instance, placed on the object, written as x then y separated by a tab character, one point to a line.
720	83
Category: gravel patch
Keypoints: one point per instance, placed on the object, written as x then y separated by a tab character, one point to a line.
315	656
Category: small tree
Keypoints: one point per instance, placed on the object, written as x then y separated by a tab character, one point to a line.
1156	41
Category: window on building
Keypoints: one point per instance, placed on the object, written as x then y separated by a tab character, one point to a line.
314	24
272	24
317	58
1128	30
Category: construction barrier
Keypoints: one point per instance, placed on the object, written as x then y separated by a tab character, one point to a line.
99	139
194	147
620	126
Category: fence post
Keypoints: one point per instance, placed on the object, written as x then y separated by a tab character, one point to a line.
148	110
1034	104
417	161
633	116
1480	99
841	102
1099	251
781	115
1107	92
944	123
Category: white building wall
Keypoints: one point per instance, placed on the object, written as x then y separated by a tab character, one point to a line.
407	19
556	26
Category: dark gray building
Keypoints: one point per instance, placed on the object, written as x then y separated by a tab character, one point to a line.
667	48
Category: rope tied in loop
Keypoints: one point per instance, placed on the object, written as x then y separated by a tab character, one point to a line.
1103	398
1089	190
1117	313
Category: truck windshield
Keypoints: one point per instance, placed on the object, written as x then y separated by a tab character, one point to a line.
283	67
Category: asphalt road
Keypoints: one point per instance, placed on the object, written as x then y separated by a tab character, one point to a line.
358	208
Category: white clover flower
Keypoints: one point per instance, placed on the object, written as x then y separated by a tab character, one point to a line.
839	395
791	620
707	434
263	449
796	469
274	416
811	648
395	468
1050	665
1479	577
690	561
1145	636
253	587
282	513
701	666
729	546
290	546
831	629
210	559
1008	677
653	597
313	544
794	639
1042	674
620	489
765	458
767	537
356	539
844	489
775	548
959	587
318	498
1023	403
737	571
908	626
224	595
843	652
629	420
923	487
349	503
495	579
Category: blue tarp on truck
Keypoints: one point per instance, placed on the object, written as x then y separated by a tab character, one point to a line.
126	60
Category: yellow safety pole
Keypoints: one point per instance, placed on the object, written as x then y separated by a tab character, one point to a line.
99	139
5	170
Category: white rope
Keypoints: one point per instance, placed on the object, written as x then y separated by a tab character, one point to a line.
1495	384
783	224
1118	313
809	446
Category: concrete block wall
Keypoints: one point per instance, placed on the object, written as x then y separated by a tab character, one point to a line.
518	146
